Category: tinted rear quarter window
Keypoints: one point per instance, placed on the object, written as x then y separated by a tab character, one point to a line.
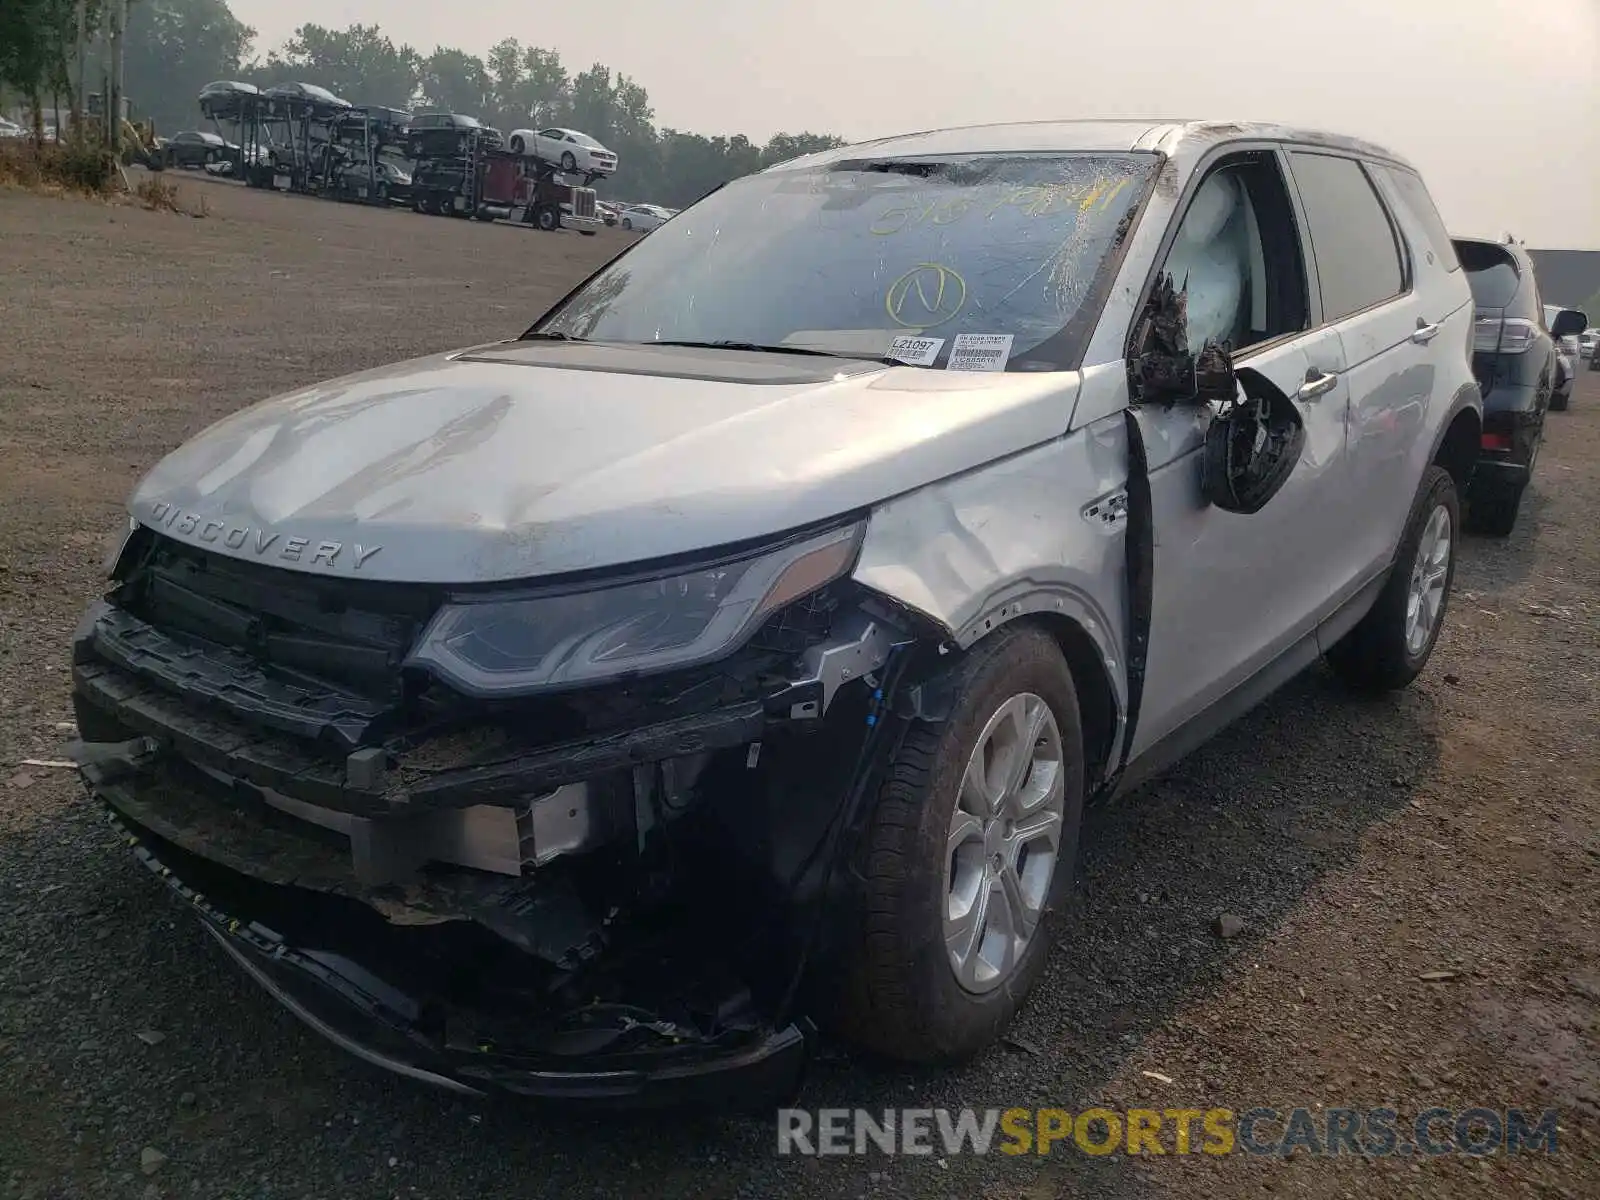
1492	273
1413	193
1358	256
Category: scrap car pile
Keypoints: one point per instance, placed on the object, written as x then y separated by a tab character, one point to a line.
298	137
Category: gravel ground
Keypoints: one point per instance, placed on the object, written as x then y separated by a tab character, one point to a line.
1361	845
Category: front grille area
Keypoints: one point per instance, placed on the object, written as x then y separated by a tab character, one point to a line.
353	634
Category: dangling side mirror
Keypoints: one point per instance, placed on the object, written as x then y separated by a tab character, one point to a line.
1569	322
1252	445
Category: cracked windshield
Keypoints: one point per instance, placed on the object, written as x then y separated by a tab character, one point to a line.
977	263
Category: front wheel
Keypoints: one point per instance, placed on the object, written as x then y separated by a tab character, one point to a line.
627	224
1558	401
518	146
1391	644
568	163
967	857
548	219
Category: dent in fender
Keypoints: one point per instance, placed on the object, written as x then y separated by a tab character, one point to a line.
1013	539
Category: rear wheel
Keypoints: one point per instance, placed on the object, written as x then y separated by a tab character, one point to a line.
1392	643
967	857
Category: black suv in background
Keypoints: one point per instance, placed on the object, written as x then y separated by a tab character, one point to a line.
1514	360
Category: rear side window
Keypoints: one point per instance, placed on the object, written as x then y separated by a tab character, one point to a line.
1491	272
1358	257
1413	194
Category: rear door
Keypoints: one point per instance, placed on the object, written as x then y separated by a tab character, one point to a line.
1385	333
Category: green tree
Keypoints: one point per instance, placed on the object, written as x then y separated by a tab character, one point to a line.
38	39
172	49
454	81
360	64
781	147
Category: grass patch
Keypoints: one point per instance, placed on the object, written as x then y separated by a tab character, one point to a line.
57	167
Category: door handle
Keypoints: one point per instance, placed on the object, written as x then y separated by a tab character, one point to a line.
1425	332
1317	385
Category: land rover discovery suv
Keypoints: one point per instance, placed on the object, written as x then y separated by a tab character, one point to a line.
597	712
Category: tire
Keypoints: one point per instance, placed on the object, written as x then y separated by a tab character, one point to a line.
1376	655
568	163
900	995
1558	401
627	223
518	146
587	232
211	157
381	194
548	219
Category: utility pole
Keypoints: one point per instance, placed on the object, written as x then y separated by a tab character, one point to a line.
81	96
119	21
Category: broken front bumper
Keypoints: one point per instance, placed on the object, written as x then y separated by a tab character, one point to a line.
385	1025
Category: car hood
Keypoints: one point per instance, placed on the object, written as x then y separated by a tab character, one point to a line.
526	459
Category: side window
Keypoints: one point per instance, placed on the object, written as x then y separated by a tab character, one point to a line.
1413	193
1236	257
1358	255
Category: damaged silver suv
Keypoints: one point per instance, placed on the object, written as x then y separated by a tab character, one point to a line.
598	713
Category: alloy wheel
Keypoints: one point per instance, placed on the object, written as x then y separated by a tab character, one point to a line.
1429	574
1003	841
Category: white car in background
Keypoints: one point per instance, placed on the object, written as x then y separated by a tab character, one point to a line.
570	149
10	129
645	216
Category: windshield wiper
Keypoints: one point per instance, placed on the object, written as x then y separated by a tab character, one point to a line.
759	348
549	336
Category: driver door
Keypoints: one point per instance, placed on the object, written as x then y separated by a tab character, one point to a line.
1232	593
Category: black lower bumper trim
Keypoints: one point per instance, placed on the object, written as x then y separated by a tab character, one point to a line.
373	1021
1499	473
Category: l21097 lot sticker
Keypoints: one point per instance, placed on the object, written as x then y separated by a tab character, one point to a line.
915	351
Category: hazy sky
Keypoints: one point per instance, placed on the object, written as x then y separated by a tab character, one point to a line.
1498	101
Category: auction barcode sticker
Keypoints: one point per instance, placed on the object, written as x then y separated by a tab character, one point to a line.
915	351
979	352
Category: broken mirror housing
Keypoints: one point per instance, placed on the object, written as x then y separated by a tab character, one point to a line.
1252	446
500	645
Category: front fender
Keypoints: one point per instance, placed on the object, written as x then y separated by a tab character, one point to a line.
1039	533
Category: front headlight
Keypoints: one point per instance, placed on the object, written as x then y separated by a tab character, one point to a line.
503	646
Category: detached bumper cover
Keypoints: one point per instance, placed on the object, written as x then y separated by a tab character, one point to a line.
379	1023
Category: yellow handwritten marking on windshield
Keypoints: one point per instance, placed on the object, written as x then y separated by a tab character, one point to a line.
927	295
1032	199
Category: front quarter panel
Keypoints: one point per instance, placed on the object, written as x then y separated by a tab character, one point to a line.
1039	532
